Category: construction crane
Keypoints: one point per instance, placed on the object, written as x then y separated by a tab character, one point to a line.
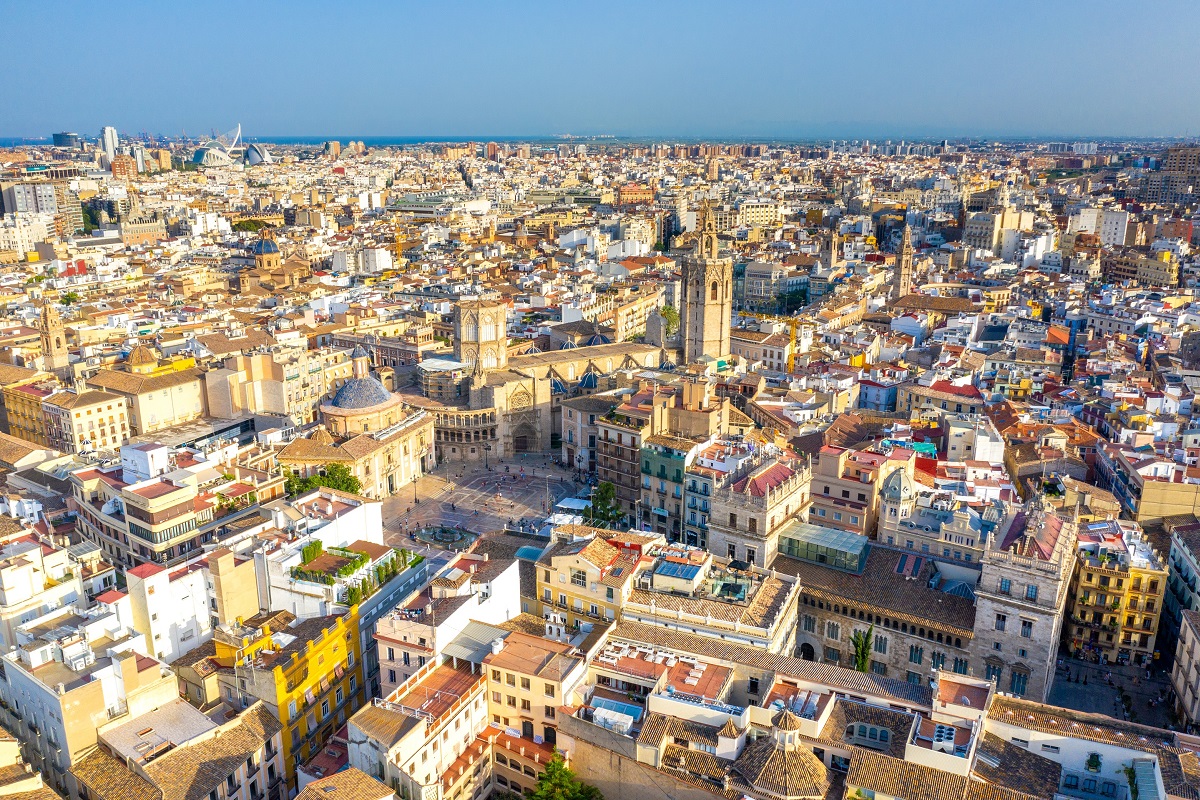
793	325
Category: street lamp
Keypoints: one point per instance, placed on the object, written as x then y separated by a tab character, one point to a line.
415	499
487	448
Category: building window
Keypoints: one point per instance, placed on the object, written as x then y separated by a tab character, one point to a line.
1001	621
881	643
1026	629
810	624
832	655
994	672
1018	682
960	666
578	577
1031	592
916	654
833	630
1005	586
752	685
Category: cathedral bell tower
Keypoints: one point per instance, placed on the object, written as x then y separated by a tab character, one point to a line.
54	342
902	277
707	295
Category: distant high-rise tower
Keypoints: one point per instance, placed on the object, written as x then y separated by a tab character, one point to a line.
707	295
902	278
109	141
54	342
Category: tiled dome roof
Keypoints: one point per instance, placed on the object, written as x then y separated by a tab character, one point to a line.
264	246
321	436
140	356
359	393
782	772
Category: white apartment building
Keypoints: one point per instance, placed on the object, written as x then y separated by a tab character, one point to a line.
1113	227
21	232
70	675
349	529
34	582
472	588
156	755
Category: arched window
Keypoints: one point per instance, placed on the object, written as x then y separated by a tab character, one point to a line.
713	291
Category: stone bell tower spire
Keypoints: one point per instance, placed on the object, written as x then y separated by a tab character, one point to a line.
902	278
54	341
707	307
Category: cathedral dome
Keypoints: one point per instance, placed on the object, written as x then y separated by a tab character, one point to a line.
360	393
264	246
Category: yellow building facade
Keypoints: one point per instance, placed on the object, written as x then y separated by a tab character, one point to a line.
309	675
1116	594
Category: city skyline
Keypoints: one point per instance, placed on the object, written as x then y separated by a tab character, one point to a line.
788	72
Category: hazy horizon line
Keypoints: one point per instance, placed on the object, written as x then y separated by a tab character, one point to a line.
599	138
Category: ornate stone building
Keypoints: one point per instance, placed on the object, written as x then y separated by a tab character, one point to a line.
481	334
902	279
362	404
707	295
514	405
55	359
1021	600
384	443
752	504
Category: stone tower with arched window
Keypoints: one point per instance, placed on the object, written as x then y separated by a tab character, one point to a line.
707	295
54	342
481	334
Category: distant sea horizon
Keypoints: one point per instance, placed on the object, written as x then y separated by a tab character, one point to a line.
607	139
399	141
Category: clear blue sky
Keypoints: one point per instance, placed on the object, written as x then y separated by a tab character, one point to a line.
886	68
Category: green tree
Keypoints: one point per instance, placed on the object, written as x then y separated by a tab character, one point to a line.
90	220
559	783
249	225
671	315
69	299
790	301
336	476
605	507
862	641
